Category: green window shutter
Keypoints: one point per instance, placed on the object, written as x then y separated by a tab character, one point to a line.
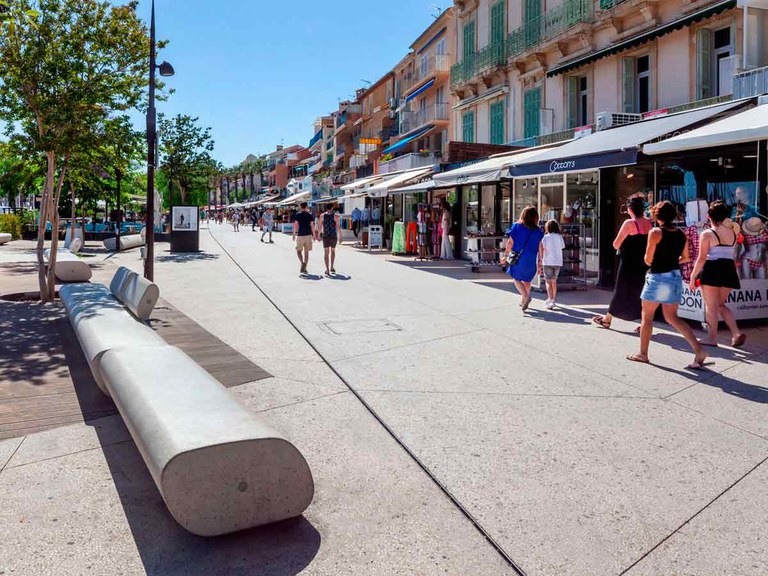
704	64
497	122
532	17
532	113
628	83
468	126
499	22
469	39
573	102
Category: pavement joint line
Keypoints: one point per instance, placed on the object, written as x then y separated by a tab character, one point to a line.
401	346
467	514
84	450
5	465
689	520
298	402
512	394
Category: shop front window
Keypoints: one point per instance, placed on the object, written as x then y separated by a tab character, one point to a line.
579	218
506	206
411	206
488	209
526	194
471	213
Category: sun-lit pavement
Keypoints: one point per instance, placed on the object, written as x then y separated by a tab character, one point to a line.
573	460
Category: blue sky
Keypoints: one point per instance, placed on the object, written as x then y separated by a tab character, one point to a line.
259	72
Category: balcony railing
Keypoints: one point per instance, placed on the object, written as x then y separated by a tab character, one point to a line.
534	32
699	104
608	4
750	83
433	65
409	161
413	120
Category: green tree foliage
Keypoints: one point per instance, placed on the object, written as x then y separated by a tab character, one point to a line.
66	66
186	161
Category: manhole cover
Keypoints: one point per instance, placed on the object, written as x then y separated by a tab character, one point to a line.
361	327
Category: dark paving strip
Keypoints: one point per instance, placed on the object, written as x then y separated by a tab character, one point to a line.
45	380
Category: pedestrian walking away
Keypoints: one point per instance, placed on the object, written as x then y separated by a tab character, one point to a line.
631	243
715	270
551	257
667	249
254	219
522	252
357	217
267	222
446	250
331	233
236	221
303	234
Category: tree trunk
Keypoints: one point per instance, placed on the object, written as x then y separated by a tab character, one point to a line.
55	231
42	223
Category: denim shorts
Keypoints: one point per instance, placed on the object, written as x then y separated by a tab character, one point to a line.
664	288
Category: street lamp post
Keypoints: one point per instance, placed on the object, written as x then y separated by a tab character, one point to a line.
165	70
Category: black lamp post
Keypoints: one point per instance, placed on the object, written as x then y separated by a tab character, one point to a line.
165	70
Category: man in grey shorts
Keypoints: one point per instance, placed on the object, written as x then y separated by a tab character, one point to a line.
267	221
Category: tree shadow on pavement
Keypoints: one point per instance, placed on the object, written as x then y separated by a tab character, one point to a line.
166	549
187	257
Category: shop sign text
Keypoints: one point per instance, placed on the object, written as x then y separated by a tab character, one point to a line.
749	302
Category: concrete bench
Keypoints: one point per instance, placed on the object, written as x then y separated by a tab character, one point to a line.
69	268
219	468
126	242
5	238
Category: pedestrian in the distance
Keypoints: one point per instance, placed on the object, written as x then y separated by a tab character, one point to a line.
236	221
357	217
631	243
551	257
303	234
267	221
331	233
716	269
446	250
522	252
667	249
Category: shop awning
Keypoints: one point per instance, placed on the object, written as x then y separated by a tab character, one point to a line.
486	171
404	141
362	182
354	196
267	199
421	90
612	147
748	126
301	196
382	188
652	34
415	188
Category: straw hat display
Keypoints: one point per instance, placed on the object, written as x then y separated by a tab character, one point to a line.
754	226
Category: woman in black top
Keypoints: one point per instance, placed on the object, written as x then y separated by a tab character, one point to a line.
631	242
667	249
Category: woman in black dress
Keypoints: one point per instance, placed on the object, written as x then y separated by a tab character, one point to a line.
631	242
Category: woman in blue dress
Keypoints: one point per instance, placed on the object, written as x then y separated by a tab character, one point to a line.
524	238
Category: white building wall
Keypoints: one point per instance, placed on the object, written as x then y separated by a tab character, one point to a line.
676	66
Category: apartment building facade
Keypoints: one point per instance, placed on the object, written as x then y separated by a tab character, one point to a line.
532	71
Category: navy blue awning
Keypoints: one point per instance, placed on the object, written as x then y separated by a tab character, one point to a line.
424	88
316	138
404	141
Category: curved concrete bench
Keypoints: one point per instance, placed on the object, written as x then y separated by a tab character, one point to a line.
5	238
102	323
136	293
126	242
217	466
69	268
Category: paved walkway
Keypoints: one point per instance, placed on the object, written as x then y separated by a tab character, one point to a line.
568	458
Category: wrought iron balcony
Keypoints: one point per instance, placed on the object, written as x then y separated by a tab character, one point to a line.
531	34
408	162
750	83
608	4
410	121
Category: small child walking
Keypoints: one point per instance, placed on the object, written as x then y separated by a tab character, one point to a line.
551	258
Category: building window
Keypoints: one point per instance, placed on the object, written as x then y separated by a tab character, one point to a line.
440	47
533	22
498	122
469	39
714	63
578	101
532	113
637	84
468	126
499	22
424	65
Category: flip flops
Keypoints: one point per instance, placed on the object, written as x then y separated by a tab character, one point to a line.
639	358
600	322
739	341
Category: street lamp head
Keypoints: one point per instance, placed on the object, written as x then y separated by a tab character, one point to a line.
166	69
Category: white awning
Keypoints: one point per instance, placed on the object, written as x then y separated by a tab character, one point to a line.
362	182
748	126
415	188
612	147
379	190
267	199
490	170
295	198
